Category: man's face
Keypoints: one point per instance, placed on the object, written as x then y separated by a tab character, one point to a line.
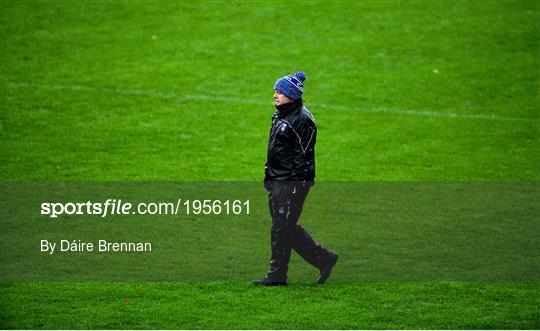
281	98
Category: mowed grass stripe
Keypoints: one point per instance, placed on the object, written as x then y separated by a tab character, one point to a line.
447	305
235	100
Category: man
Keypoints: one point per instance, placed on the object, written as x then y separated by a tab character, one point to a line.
289	175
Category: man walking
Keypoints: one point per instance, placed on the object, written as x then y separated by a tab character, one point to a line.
289	175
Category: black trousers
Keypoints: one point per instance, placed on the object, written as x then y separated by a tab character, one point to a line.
285	201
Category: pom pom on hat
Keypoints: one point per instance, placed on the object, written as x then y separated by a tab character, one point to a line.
301	75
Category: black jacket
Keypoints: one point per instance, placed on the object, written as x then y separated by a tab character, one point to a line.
291	146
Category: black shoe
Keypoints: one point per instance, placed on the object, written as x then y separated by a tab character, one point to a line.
327	269
267	282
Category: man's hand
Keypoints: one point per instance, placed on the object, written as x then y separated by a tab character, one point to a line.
268	185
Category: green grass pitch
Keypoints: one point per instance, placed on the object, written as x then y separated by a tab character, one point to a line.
421	91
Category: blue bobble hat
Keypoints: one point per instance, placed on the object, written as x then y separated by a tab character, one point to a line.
291	86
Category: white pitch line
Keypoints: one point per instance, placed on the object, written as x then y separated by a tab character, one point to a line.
152	93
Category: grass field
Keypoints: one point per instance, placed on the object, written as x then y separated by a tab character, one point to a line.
403	92
235	305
